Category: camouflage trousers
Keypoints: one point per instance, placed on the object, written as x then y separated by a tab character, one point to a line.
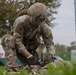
10	56
11	53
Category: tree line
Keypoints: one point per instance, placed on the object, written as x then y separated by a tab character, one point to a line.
64	51
11	9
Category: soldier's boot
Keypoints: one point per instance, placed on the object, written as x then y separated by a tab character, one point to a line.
12	69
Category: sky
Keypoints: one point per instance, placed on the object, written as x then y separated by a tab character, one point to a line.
64	32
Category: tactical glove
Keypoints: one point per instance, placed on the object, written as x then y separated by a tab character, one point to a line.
31	60
49	58
41	64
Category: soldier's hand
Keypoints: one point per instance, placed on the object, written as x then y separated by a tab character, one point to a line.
41	64
48	59
31	60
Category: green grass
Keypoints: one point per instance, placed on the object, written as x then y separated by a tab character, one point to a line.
59	68
4	72
2	69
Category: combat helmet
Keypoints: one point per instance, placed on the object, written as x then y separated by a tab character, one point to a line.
38	11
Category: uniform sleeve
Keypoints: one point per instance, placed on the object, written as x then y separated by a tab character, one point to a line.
48	39
18	35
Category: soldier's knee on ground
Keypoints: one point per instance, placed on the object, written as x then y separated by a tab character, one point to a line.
12	69
8	44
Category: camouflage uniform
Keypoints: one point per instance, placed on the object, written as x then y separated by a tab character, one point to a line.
26	37
8	45
25	34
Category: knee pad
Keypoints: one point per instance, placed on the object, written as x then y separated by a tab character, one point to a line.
9	41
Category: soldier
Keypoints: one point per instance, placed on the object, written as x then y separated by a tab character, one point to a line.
27	30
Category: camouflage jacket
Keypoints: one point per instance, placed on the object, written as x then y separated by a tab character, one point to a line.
24	32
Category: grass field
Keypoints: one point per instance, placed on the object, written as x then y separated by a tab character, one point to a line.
57	69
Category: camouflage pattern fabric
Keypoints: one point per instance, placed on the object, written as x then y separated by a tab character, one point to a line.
25	37
36	70
24	59
48	59
24	34
10	52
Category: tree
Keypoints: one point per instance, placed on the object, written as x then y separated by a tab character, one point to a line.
10	8
72	46
7	13
61	50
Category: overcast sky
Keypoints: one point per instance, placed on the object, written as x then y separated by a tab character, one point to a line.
64	32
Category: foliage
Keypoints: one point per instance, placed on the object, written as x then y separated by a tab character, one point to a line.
67	68
9	10
72	46
64	51
2	69
60	49
8	13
